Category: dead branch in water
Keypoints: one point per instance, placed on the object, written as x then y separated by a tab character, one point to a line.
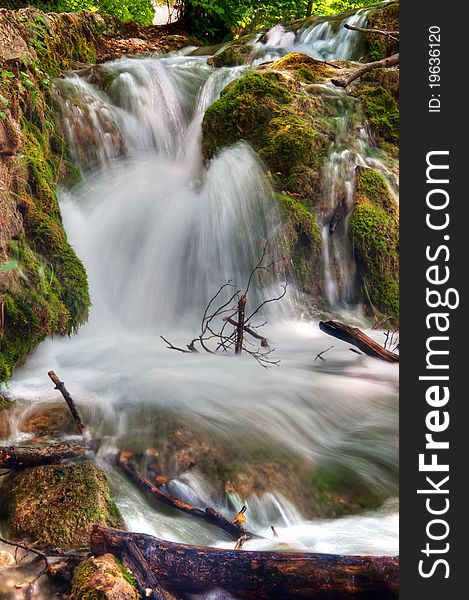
234	528
346	80
257	575
215	333
353	335
59	385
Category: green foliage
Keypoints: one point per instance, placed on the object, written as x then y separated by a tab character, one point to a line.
135	10
218	18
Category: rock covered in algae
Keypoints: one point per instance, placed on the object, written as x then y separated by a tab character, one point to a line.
103	578
57	505
374	228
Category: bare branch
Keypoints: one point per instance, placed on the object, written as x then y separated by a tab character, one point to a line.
345	80
390	34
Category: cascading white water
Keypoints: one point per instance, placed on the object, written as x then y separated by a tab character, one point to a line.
159	233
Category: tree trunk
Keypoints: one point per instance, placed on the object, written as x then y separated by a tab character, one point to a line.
21	457
240	326
353	335
258	575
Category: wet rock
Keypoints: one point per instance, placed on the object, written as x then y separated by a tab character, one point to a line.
6	559
57	505
232	56
47	420
384	18
103	578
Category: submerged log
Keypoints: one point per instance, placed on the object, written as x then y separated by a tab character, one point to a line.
22	457
257	575
356	337
233	528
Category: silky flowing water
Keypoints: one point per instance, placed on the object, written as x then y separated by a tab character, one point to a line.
159	233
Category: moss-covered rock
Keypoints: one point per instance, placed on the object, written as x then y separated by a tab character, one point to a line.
384	18
234	55
379	92
374	228
302	237
57	505
103	578
273	110
305	68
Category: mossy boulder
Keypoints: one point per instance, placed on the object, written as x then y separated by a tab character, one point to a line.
232	56
57	505
384	18
103	578
374	229
302	237
379	92
272	109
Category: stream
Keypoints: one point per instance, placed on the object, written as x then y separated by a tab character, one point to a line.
159	232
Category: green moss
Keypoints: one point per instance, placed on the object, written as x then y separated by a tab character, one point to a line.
243	111
382	112
338	492
57	505
94	579
374	230
303	244
290	147
384	18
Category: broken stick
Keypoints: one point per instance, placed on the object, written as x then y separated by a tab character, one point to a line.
59	385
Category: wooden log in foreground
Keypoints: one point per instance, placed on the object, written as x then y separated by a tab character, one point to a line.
257	575
22	457
209	515
356	337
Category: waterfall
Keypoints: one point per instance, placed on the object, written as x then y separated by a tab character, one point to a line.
159	232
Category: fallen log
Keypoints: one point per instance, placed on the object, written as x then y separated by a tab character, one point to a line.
59	385
257	575
345	80
209	515
22	457
356	337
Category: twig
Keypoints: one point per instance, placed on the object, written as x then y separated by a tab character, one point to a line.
171	347
59	385
323	352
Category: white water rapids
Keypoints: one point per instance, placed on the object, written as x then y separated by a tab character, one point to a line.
159	232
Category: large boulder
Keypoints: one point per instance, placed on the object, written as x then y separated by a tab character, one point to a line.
57	505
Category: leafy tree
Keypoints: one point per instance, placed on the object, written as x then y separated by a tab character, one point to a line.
218	18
